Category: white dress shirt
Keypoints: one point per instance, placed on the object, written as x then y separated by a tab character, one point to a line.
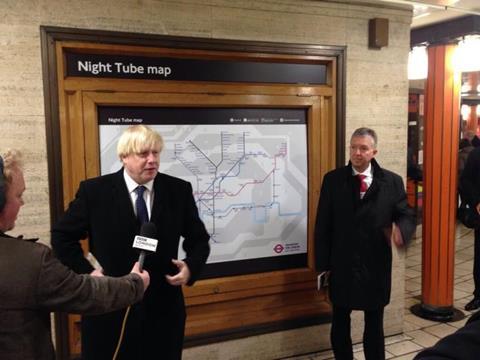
147	194
368	176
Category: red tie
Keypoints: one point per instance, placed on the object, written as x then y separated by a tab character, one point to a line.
363	184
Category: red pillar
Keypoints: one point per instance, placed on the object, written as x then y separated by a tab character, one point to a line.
442	124
472	122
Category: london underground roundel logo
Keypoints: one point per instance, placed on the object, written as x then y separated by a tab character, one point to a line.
278	248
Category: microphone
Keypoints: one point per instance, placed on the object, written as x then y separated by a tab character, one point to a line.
145	241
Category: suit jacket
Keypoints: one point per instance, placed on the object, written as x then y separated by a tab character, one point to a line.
352	235
33	283
103	211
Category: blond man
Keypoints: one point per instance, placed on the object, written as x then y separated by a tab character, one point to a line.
110	210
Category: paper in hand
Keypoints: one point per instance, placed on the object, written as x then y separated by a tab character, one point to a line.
322	280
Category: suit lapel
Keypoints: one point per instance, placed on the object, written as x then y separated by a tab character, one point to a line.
122	201
159	199
378	180
370	198
350	193
372	190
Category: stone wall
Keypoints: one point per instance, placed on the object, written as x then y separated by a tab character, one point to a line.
376	96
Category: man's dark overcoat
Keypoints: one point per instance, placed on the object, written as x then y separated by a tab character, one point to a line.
352	235
469	187
470	179
103	211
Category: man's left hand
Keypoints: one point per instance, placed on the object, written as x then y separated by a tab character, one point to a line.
397	238
183	274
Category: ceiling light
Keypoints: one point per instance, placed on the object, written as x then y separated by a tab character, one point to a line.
465	88
465	111
468	54
418	63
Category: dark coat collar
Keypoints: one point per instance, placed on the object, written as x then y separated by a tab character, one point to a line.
20	237
378	179
378	172
2	234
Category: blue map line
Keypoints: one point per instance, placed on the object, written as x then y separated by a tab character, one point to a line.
252	207
210	210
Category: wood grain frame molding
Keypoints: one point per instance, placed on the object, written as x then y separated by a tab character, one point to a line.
228	306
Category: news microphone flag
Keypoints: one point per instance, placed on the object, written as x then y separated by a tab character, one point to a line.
145	241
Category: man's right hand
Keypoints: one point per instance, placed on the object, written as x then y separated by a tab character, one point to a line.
143	274
97	272
478	208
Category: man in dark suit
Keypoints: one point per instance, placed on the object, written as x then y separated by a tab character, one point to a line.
33	283
362	209
470	193
109	211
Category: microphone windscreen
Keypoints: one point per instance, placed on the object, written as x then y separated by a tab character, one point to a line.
149	230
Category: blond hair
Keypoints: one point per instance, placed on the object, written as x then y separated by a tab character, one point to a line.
12	162
137	139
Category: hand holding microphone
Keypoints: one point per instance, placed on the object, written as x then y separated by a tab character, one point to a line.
142	273
97	268
145	242
97	273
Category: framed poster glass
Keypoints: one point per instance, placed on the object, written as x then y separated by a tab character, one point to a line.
249	172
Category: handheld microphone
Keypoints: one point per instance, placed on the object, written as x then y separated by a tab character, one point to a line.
145	241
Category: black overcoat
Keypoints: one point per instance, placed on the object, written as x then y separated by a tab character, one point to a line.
102	211
352	235
470	179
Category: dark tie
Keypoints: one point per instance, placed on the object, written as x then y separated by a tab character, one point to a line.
363	184
141	207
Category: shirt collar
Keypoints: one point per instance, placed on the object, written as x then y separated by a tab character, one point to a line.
132	185
367	172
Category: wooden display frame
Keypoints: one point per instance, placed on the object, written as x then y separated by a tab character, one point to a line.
218	307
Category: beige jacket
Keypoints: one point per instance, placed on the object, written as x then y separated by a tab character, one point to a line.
33	283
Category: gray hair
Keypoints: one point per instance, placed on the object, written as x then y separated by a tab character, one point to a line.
364	131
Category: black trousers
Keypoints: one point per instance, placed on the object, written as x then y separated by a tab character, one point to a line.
373	338
476	264
154	330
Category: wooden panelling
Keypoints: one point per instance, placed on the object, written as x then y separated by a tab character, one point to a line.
258	310
183	87
225	304
298	54
254	282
